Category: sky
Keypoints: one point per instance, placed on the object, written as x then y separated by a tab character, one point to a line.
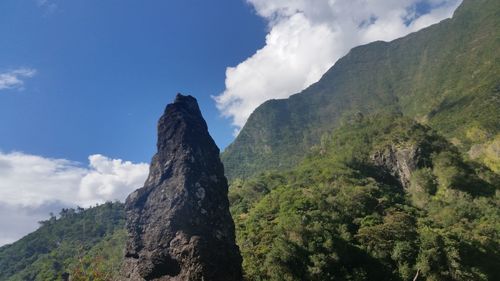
83	82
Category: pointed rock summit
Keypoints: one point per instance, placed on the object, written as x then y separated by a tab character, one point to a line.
179	225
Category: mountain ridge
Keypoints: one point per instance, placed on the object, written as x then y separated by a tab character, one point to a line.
379	172
410	75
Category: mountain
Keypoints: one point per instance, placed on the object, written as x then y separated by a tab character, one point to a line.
385	169
71	243
179	226
383	198
446	76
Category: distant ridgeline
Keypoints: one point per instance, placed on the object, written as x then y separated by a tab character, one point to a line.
77	241
386	169
446	76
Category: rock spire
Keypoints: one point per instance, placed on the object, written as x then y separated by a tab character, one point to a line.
179	225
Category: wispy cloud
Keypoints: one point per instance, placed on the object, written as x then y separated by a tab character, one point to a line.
307	37
48	5
32	186
14	79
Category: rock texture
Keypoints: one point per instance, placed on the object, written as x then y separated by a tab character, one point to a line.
179	224
399	162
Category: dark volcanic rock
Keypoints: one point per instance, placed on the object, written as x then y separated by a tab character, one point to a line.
179	223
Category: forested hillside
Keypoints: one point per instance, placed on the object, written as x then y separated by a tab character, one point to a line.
388	168
446	76
382	198
72	243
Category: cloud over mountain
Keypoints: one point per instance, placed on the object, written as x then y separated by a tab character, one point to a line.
306	38
32	186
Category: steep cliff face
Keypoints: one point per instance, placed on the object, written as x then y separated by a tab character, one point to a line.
439	76
179	224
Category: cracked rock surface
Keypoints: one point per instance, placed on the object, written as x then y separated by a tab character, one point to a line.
179	225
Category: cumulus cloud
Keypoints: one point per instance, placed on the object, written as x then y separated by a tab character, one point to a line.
110	179
32	186
14	79
306	38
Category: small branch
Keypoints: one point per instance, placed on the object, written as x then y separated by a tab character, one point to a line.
416	275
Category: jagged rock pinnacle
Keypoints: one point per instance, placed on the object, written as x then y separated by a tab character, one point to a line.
179	224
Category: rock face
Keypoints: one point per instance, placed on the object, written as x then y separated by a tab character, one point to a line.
399	162
179	225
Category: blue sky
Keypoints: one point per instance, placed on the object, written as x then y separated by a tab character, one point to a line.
83	82
106	69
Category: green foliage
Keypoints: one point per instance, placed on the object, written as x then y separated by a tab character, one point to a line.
55	247
452	172
103	261
488	152
336	217
423	185
323	210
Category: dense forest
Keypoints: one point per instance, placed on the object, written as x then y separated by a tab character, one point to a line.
341	216
388	168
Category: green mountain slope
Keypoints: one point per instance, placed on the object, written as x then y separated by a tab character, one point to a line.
446	76
347	213
382	198
72	243
384	170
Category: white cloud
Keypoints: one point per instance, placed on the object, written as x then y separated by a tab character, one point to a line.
16	221
14	79
110	179
306	38
32	186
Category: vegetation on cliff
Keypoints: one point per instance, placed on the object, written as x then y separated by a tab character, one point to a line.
338	216
386	169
